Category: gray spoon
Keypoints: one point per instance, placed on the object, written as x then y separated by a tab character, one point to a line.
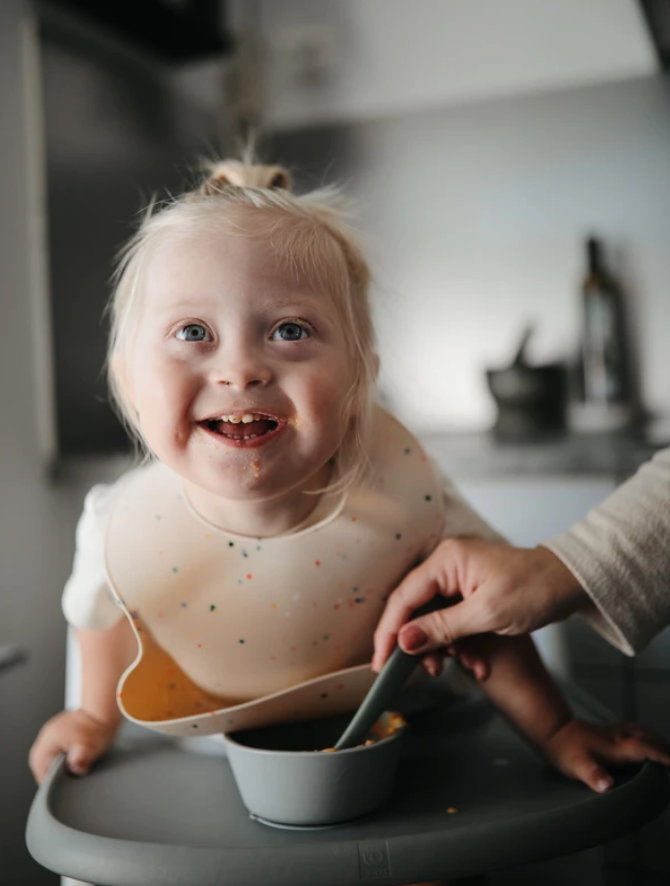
388	684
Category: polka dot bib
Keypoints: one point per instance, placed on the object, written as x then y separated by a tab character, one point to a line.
224	621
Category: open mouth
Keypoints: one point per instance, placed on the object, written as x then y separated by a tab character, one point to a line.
247	426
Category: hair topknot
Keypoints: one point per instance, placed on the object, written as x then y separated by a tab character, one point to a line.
238	174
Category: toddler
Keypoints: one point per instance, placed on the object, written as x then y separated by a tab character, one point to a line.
237	576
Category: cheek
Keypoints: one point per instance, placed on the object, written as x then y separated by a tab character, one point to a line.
161	389
329	404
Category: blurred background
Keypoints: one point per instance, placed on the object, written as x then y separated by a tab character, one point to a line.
483	143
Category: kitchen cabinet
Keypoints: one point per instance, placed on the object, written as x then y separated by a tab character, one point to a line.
341	62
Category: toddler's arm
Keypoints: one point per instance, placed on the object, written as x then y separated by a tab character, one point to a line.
86	733
521	687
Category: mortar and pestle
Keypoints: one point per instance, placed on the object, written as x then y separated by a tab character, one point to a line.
531	400
322	772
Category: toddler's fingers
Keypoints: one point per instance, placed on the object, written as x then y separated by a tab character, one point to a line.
80	758
41	757
586	768
39	766
637	748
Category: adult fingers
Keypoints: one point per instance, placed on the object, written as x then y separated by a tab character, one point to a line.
436	575
444	627
433	663
416	589
469	658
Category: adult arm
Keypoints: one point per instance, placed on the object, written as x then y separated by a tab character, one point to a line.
613	567
620	554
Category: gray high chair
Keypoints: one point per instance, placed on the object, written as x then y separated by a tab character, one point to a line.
470	798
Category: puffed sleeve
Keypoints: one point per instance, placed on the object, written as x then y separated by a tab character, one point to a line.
87	599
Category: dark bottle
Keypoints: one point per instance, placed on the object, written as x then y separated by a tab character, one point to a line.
603	353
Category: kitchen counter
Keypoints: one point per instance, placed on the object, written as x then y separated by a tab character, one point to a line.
482	456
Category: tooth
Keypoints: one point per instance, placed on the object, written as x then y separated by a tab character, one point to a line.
223	418
256	417
234	419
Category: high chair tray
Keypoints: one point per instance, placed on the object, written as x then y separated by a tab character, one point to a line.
470	797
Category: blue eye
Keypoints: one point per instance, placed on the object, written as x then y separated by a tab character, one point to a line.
193	332
290	332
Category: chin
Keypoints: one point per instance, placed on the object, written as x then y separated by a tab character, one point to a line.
240	488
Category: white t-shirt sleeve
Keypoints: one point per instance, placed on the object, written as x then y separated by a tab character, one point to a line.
87	601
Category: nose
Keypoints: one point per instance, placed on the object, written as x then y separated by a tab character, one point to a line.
241	365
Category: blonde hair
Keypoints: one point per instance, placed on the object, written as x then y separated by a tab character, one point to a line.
309	232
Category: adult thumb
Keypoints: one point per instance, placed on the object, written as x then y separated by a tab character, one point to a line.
441	628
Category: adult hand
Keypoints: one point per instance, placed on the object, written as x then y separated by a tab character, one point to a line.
517	591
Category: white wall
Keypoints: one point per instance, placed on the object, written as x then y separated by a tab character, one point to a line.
474	217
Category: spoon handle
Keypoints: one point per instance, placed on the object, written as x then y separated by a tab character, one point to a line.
393	675
386	686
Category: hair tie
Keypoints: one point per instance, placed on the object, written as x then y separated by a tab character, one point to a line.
233	174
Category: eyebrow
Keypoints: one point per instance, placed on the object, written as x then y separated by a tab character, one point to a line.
296	300
291	300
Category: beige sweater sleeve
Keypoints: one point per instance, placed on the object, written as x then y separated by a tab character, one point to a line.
620	552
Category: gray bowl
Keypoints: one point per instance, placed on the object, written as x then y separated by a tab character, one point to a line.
284	777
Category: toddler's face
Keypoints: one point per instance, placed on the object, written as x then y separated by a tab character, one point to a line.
239	372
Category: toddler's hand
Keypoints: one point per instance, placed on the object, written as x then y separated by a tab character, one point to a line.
79	736
582	750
